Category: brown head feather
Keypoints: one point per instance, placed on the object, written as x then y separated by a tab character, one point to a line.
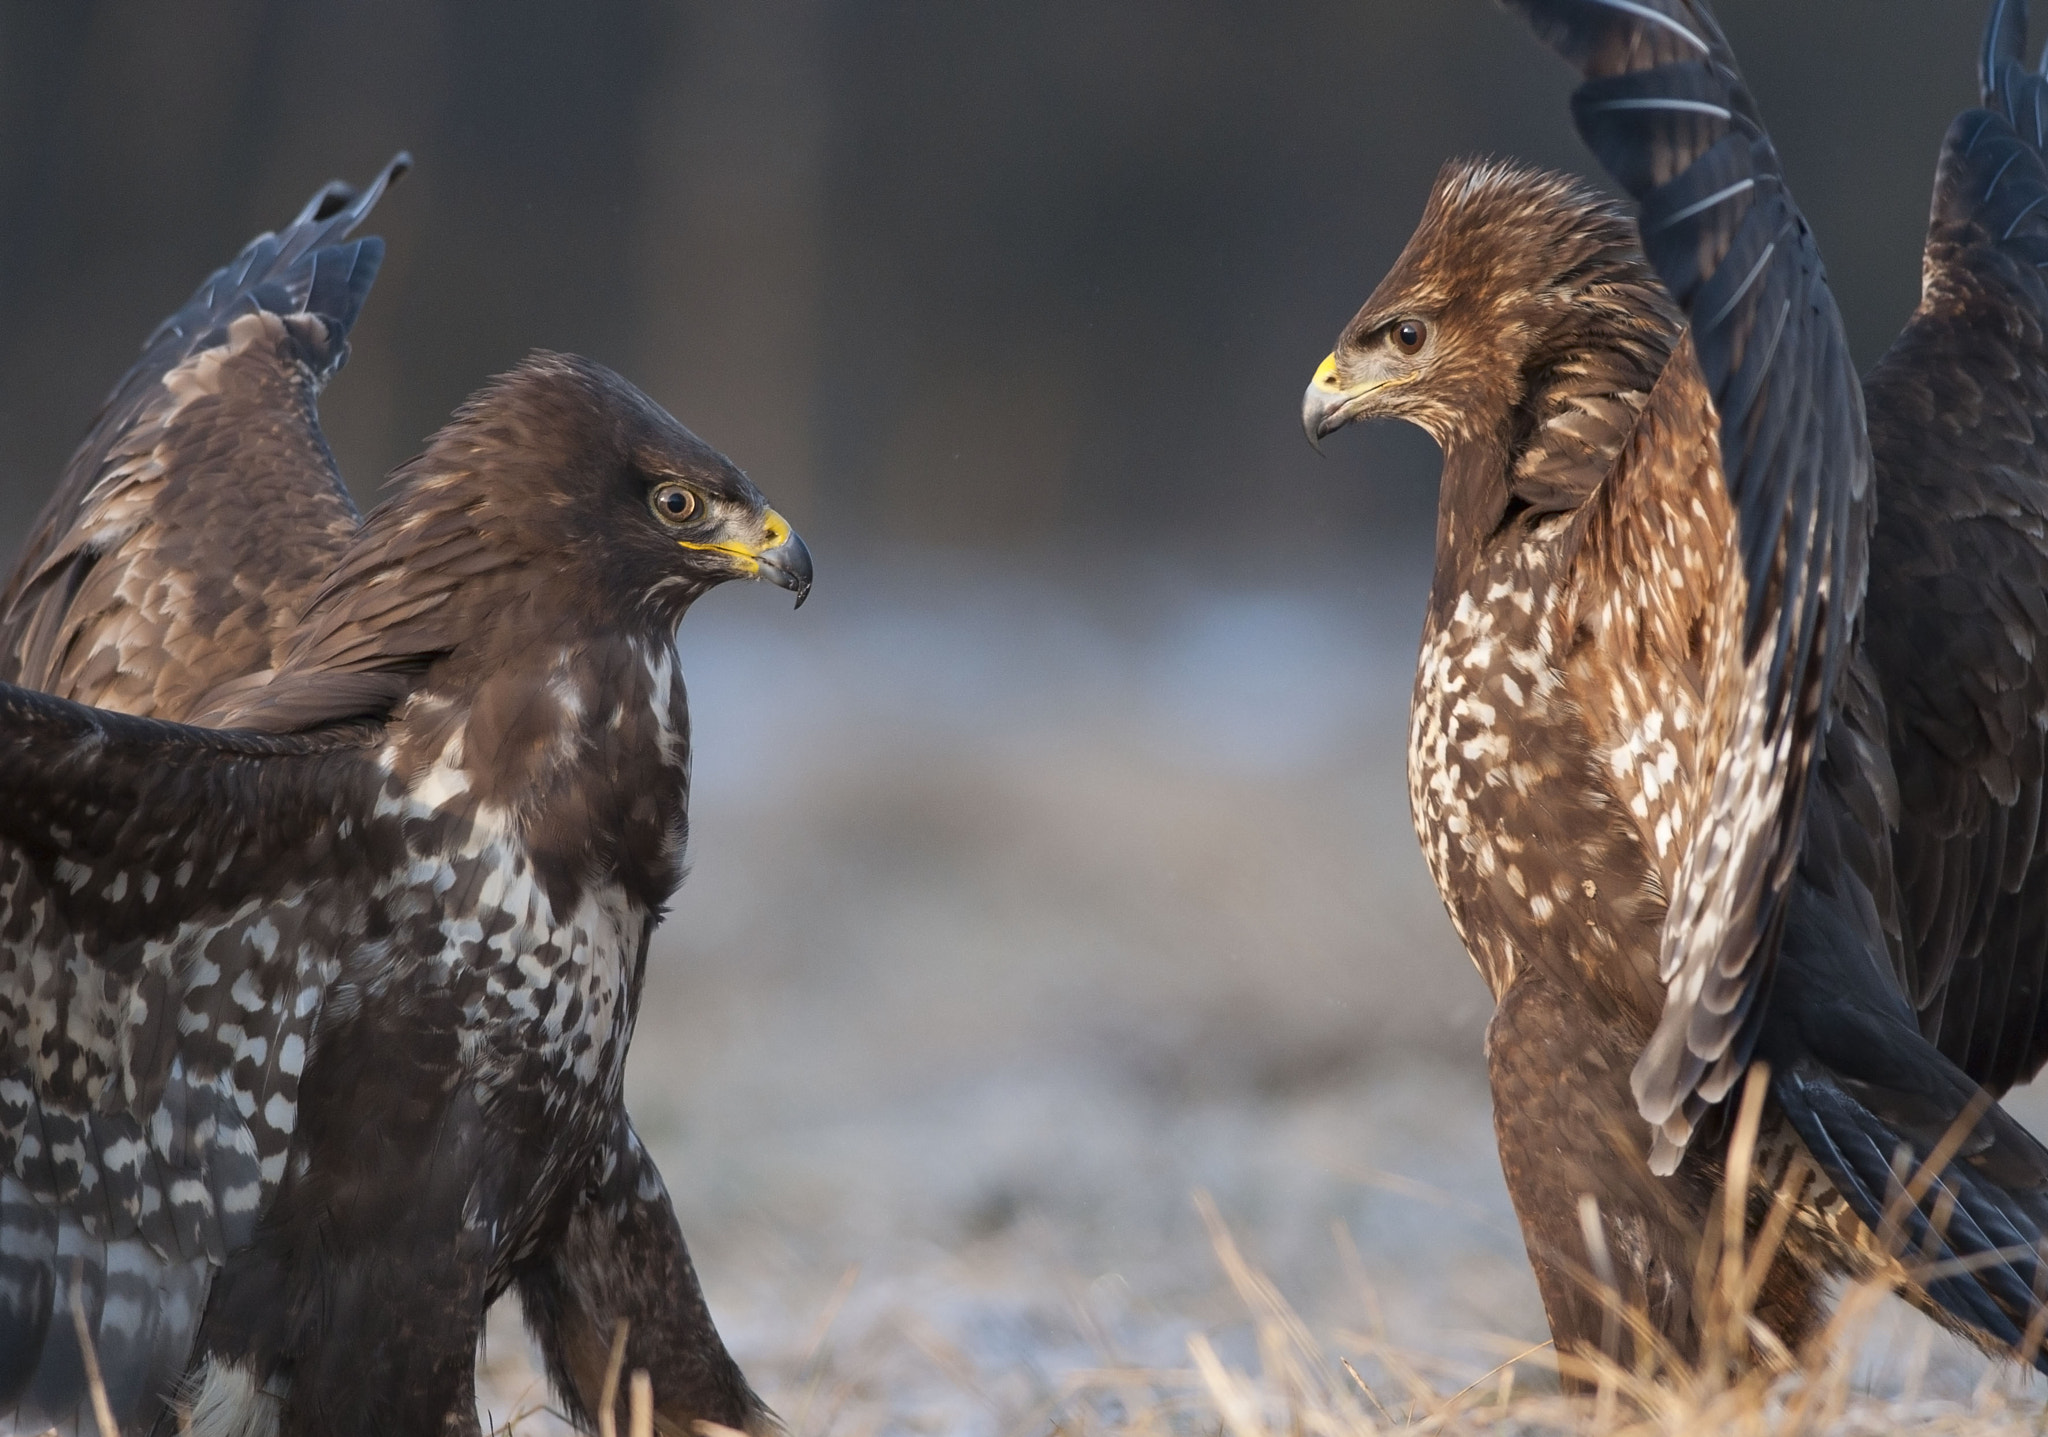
1511	270
534	500
1542	331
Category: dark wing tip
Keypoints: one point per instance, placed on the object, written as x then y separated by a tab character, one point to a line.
340	198
394	171
2009	86
2005	39
303	267
333	196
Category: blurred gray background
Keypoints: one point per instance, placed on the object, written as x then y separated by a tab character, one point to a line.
1053	864
993	273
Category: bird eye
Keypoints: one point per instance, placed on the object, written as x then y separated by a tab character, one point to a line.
1408	335
674	503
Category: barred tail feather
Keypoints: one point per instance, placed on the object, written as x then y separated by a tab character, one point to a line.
141	1309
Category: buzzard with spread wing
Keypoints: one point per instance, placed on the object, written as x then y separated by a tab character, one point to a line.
1729	732
333	850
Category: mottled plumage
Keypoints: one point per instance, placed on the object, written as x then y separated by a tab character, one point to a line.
314	1012
1691	801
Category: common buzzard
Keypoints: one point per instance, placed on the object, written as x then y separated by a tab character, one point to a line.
1729	728
332	852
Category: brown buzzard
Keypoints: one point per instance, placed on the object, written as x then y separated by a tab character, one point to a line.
332	852
1729	730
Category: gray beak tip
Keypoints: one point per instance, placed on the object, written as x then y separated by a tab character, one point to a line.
788	565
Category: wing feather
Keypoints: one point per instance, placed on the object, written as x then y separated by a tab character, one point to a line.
1665	109
151	1041
177	901
1958	607
203	507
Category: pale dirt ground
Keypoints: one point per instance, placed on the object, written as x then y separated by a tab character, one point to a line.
1025	907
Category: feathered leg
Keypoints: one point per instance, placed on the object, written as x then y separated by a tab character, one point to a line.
358	1307
621	1256
1564	1118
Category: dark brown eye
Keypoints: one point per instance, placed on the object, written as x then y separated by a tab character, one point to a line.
674	503
1408	335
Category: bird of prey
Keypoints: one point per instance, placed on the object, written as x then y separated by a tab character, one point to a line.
332	851
1730	721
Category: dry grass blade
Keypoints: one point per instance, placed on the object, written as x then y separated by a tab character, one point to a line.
640	1404
1370	1395
1728	1329
1285	1343
102	1410
1236	1400
2037	1325
1745	1384
1496	1370
1908	1192
608	1394
816	1351
1597	1252
524	1410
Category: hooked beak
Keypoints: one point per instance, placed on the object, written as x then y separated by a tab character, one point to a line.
780	557
1328	406
788	563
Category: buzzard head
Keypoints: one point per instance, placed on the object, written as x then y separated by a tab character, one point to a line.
1487	291
559	504
640	513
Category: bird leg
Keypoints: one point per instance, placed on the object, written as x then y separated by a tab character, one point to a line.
621	1257
1615	1248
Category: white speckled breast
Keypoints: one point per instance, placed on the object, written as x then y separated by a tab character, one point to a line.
1516	824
